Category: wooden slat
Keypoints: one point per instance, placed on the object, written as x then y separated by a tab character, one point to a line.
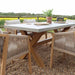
24	55
65	51
43	41
66	29
3	35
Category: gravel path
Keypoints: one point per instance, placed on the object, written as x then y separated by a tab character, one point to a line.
60	66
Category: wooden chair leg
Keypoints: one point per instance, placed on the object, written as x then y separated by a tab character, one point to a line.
4	56
30	67
51	56
29	57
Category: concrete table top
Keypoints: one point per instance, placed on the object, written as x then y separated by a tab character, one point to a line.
38	28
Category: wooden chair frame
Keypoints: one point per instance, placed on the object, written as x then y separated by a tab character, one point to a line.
4	54
61	50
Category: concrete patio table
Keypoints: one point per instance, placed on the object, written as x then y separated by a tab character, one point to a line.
38	28
38	31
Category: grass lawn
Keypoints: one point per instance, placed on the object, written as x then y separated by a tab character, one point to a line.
51	31
2	29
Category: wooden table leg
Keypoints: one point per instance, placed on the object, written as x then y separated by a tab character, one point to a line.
36	56
23	32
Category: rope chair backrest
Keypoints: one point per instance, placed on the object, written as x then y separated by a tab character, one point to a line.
29	21
7	22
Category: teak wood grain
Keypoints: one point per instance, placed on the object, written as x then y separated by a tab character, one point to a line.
4	55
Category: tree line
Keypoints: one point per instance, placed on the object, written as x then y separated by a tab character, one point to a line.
11	14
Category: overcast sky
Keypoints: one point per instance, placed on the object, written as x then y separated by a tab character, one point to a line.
60	7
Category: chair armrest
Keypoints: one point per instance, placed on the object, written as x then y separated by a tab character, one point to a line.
63	33
14	35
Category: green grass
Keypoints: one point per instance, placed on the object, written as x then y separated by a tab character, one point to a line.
2	23
2	29
51	31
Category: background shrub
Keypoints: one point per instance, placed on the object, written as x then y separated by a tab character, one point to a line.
21	20
2	23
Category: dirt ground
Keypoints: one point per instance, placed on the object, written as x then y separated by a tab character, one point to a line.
60	66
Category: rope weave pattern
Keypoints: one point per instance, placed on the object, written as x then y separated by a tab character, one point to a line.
65	40
17	44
